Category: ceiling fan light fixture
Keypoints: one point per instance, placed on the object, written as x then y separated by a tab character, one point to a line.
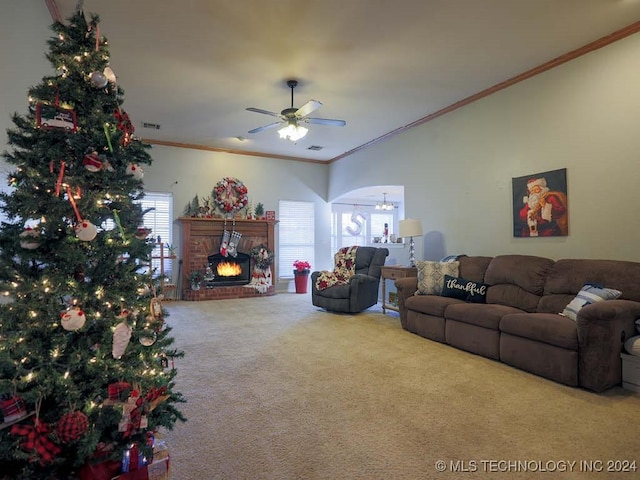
293	131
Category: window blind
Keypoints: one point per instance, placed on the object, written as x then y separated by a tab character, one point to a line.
296	237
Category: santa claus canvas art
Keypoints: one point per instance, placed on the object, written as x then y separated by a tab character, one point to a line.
540	205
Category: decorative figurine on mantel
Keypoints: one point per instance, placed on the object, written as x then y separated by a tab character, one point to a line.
206	209
193	207
251	210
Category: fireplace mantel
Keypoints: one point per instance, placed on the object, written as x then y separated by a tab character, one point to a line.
201	237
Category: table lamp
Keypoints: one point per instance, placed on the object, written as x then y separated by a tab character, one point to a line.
410	227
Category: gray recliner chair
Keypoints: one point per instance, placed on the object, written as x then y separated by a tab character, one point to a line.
362	290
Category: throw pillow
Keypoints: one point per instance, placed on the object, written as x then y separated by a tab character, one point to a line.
467	290
431	276
632	346
590	293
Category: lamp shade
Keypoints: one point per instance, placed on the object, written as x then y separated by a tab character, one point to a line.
409	227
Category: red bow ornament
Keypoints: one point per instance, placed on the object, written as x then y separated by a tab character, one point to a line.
37	441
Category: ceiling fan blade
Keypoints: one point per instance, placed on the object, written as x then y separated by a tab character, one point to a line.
326	121
266	112
307	108
266	127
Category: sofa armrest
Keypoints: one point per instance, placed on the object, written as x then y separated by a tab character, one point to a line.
603	328
406	287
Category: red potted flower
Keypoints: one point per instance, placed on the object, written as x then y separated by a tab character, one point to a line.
301	271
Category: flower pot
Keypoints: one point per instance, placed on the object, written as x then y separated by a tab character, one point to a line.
301	278
195	286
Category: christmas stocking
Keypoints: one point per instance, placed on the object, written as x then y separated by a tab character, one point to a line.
224	244
233	243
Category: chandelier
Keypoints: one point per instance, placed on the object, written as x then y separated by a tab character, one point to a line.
384	205
293	131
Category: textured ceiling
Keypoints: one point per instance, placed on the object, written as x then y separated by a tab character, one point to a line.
194	66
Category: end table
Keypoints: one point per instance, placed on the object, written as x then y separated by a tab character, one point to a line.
393	272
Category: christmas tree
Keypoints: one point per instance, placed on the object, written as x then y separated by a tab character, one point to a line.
86	369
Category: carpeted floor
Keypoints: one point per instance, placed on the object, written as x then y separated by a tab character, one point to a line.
278	389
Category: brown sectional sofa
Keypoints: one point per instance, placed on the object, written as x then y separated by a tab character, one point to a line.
520	323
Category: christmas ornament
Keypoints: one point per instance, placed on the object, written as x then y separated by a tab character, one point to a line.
36	441
164	361
136	171
72	426
12	408
116	217
124	124
119	391
155	306
72	319
98	79
107	134
147	337
92	161
109	74
30	238
121	337
230	195
51	117
60	176
86	231
142	233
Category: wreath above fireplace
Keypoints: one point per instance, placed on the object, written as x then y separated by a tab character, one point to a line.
230	195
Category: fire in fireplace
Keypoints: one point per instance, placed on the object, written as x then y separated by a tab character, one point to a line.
226	271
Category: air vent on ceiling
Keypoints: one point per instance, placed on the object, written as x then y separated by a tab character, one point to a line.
315	147
153	126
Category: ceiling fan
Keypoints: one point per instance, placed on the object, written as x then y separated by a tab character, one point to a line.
291	118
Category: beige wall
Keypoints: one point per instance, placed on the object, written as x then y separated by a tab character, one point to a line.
583	116
23	41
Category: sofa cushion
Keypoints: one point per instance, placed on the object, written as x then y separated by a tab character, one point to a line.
430	304
335	291
481	314
586	296
554	303
568	276
431	276
525	271
517	280
550	328
473	268
462	289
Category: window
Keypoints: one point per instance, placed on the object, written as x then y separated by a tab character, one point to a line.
159	220
296	235
359	225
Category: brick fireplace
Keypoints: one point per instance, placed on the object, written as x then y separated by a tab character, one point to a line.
201	239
